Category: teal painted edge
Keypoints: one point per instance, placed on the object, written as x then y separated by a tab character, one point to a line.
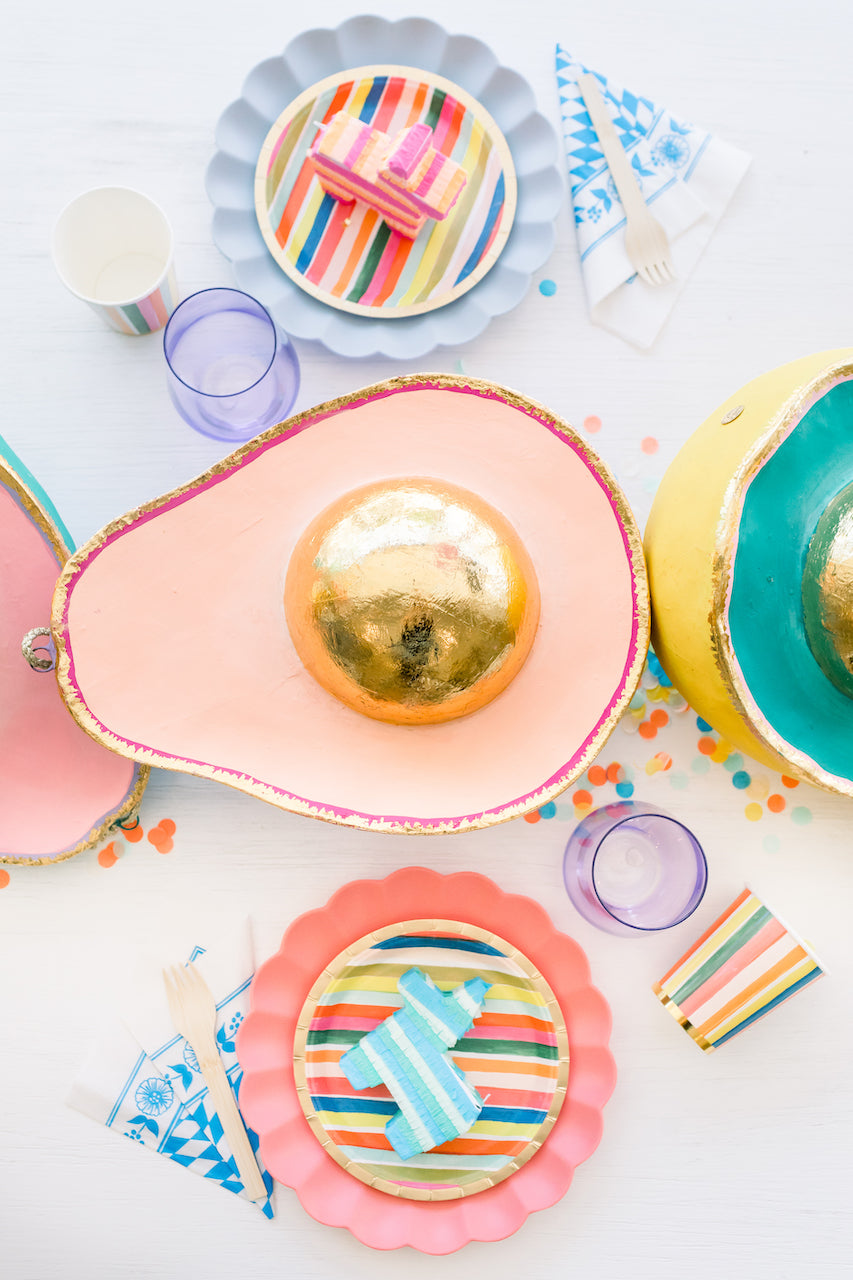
781	510
8	454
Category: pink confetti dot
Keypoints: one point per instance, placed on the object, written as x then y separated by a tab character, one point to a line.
592	424
649	445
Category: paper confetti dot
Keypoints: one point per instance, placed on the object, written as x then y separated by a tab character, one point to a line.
108	856
624	790
759	788
753	812
775	803
134	834
707	746
703	726
548	288
592	424
615	772
649	445
548	810
647	730
701	764
596	775
789	782
772	844
581	798
733	762
532	817
679	780
741	780
801	816
4	878
659	718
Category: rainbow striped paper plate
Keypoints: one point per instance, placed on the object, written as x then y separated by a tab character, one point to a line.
516	1055
346	254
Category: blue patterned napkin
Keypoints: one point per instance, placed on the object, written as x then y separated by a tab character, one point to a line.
686	175
143	1081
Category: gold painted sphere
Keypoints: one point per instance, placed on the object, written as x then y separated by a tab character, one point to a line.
412	601
828	591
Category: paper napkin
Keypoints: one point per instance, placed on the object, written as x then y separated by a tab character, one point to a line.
686	175
143	1081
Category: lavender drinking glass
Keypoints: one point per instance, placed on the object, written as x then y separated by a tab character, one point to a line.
629	868
230	373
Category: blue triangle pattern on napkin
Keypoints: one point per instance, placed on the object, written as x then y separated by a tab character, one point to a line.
663	150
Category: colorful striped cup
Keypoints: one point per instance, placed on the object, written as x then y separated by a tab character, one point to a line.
745	964
112	248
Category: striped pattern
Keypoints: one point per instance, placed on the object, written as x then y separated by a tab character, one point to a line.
348	255
146	315
510	1056
745	964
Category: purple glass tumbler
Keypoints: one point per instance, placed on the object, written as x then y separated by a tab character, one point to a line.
230	373
629	868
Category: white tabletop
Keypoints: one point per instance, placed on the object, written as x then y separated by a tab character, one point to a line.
735	1164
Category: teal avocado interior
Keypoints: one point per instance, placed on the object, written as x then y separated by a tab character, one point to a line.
12	460
781	510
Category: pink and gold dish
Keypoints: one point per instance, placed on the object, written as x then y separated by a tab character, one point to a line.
512	516
60	792
357	177
546	1066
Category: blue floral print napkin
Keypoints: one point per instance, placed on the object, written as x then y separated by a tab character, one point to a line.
687	177
143	1081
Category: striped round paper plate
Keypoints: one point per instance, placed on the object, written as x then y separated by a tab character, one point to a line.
516	1055
345	254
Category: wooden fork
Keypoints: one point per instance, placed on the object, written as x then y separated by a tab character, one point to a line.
646	242
193	1012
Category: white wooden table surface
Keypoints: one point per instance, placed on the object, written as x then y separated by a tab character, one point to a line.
735	1165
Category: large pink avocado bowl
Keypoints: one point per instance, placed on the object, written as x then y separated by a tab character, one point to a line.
268	1095
205	677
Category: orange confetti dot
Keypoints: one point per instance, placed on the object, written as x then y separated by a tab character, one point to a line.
133	834
775	803
649	445
790	782
659	718
647	730
664	760
160	838
652	766
614	772
581	798
707	746
597	776
167	825
532	817
753	812
108	856
4	879
592	423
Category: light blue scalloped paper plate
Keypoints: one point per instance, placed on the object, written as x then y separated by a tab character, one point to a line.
311	57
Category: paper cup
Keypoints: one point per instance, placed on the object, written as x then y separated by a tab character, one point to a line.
744	965
112	248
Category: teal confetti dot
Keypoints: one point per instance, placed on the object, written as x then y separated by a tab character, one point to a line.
741	780
733	763
548	810
701	764
703	726
637	702
624	789
772	844
679	780
548	288
801	816
564	812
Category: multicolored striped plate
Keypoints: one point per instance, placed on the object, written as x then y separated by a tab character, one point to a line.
516	1055
345	254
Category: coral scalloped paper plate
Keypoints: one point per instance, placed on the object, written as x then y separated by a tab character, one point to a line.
284	1001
